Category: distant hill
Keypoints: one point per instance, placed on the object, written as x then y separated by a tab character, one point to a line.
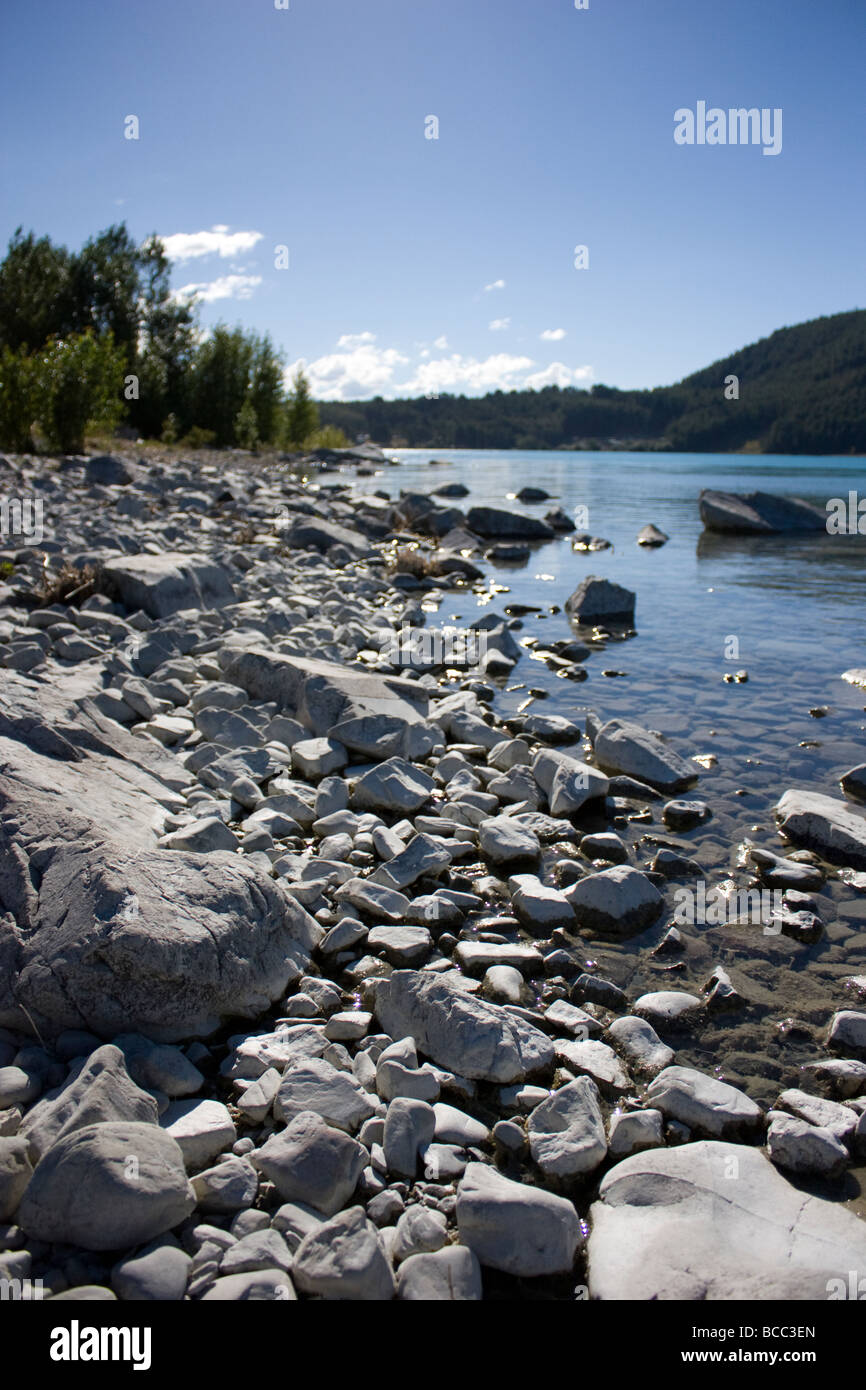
801	391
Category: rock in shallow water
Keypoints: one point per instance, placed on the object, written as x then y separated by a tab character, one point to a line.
832	828
703	1103
621	746
619	901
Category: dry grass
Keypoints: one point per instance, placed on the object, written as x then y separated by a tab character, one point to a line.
408	559
68	585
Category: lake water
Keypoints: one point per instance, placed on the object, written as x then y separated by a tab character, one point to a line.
795	607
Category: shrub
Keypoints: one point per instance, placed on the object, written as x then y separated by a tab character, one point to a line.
67	585
326	437
18	399
198	438
169	429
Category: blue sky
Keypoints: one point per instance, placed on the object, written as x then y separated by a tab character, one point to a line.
305	128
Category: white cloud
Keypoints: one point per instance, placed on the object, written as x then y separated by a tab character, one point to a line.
226	287
361	370
358	369
557	374
457	373
499	325
219	241
496	285
553	335
355	340
441	343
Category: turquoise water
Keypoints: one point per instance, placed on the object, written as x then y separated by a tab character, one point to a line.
794	605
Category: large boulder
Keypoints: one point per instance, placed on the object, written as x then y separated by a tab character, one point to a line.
758	513
321	694
716	1221
168	583
833	828
167	944
621	746
459	1032
107	1187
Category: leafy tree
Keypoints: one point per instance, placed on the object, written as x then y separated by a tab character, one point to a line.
168	339
18	399
220	380
81	384
266	388
35	292
302	417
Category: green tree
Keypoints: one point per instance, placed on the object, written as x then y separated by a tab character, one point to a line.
302	417
266	388
220	380
81	382
18	399
35	292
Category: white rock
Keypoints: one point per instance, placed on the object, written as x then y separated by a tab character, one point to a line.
202	1128
703	1103
825	824
449	1275
799	1147
537	905
628	749
715	1221
344	1259
566	1131
514	1227
502	840
634	1130
638	1041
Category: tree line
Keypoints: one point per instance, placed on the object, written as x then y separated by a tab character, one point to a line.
94	337
802	390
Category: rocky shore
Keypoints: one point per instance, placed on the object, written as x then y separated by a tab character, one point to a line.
301	992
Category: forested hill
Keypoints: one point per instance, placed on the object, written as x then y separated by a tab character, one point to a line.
801	391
